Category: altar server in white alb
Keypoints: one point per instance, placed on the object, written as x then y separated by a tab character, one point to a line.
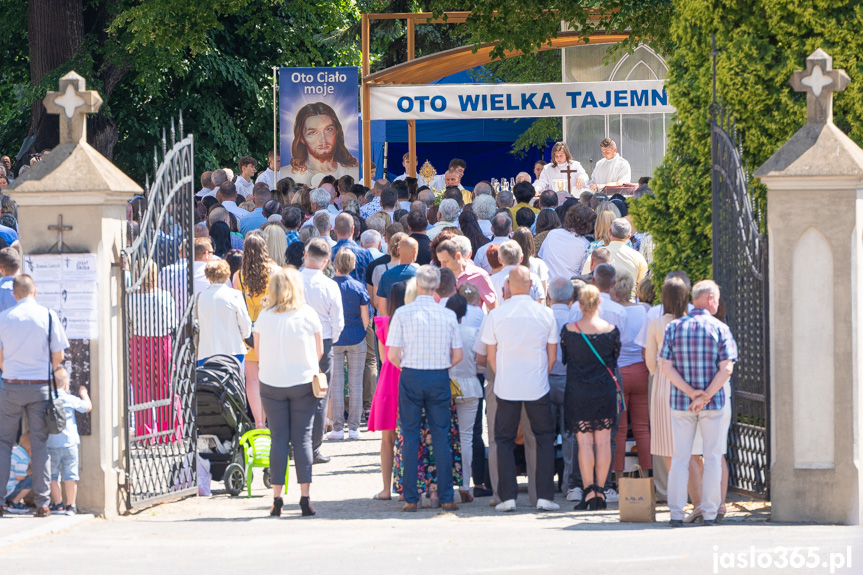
611	169
561	160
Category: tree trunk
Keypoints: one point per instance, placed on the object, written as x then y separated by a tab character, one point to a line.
56	29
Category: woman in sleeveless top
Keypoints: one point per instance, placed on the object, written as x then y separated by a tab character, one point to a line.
590	348
253	280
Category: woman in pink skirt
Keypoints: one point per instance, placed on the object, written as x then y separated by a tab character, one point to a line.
385	403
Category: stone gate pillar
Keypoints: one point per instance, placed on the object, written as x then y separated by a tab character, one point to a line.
80	185
815	211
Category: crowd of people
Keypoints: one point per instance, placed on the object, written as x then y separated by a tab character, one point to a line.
442	316
438	313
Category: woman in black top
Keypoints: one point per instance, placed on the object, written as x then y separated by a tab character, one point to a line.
590	399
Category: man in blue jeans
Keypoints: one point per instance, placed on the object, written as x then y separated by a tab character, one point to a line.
424	342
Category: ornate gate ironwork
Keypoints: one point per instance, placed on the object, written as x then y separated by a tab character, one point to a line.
159	347
740	269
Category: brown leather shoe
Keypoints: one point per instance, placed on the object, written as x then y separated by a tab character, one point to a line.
449	506
410	507
42	512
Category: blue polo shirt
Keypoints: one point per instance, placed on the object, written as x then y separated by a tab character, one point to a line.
395	275
24	340
7	299
8	234
252	221
363	257
354	296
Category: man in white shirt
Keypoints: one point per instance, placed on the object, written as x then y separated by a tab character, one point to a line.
501	226
522	339
510	255
458	167
228	193
611	169
320	200
406	164
244	183
561	159
217	178
325	297
268	176
371	240
207	186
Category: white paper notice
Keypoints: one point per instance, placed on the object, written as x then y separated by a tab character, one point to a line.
67	284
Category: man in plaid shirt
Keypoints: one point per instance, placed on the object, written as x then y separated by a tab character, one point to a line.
698	357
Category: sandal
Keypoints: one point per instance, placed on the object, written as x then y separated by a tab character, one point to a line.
466	497
694	516
378	497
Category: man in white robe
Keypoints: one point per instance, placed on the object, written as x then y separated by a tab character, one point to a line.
611	169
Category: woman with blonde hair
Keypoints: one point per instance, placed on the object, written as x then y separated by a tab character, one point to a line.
252	280
277	243
590	348
606	213
289	342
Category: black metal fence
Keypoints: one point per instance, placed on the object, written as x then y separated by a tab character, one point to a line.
740	268
159	346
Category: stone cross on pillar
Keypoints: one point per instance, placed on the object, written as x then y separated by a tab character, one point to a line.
819	81
72	103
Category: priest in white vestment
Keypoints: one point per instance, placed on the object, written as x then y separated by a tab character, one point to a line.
611	169
561	159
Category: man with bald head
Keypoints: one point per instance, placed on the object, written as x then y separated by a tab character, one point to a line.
344	229
521	338
406	269
26	332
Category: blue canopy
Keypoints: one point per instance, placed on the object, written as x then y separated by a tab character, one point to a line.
484	145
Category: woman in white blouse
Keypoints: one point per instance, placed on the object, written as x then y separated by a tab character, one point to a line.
223	320
464	373
289	344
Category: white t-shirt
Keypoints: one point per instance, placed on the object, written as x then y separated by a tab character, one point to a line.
521	328
287	351
538	267
464	372
499	279
268	177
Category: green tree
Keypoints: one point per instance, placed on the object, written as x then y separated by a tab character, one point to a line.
761	43
149	59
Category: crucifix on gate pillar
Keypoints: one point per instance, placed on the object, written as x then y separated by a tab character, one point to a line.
72	103
60	228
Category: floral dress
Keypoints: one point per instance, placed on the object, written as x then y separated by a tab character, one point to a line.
427	476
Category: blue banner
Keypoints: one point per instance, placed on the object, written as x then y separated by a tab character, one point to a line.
318	123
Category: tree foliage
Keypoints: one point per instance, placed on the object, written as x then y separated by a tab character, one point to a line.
761	43
211	58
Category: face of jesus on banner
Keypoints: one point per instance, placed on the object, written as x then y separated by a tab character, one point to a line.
319	143
319	136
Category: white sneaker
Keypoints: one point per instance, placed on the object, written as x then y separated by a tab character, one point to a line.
508	505
575	494
611	495
546	505
354	434
336	435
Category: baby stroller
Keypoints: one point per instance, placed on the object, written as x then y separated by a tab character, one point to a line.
222	419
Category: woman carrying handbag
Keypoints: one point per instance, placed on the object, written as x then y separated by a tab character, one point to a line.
590	348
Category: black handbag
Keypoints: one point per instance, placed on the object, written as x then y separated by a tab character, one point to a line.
55	413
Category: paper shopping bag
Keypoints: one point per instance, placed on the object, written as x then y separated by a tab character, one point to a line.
637	498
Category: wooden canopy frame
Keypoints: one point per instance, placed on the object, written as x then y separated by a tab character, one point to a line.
436	66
